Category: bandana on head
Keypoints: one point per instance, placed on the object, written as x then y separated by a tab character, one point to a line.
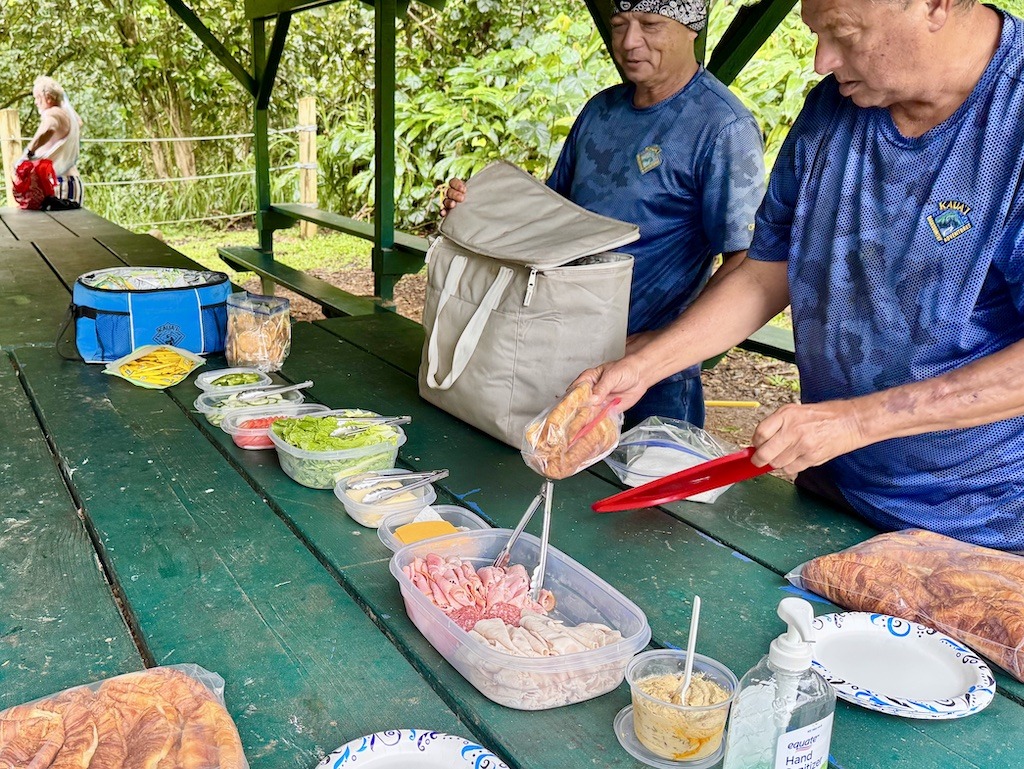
692	13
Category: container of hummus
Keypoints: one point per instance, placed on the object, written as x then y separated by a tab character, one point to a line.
688	734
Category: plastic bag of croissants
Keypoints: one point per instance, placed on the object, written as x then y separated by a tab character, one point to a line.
971	593
172	717
572	435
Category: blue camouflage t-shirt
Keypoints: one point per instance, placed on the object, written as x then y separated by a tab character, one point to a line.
688	171
906	261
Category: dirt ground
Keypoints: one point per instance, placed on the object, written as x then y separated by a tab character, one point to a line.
741	376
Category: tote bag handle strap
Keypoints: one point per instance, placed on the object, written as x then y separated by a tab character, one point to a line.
470	337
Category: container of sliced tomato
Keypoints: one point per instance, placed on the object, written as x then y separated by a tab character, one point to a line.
249	428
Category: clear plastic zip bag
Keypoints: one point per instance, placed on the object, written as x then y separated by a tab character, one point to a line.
660	446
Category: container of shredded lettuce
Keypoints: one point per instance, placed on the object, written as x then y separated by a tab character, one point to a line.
310	455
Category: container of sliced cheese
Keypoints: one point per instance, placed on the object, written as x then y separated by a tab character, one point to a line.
357	493
400	529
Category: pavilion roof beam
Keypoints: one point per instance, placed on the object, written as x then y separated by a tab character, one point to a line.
216	47
746	34
266	85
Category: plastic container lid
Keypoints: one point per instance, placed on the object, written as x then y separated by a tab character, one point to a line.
371	515
214	405
256	438
205	380
459	517
323	469
528	683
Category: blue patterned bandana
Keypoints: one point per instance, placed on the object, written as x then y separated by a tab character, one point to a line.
692	13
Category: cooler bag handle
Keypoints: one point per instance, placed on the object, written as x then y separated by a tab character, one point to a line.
470	337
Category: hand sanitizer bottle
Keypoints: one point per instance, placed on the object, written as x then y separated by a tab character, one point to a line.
782	715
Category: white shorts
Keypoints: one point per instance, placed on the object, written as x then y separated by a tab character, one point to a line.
69	188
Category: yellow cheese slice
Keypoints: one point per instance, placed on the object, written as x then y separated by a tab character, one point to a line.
415	532
359	494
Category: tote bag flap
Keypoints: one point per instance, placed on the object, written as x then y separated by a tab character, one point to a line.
511	216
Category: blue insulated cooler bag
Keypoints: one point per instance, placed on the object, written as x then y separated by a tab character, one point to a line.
122	308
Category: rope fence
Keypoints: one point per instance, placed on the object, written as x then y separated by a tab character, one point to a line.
11	139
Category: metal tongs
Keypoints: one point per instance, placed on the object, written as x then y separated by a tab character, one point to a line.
366	423
263	392
415	481
502	559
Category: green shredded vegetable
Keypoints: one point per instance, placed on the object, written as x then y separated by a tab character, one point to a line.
238	378
313	434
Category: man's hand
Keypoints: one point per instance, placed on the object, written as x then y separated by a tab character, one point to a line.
798	436
454	194
617	379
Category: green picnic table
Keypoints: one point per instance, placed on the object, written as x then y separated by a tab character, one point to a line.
134	534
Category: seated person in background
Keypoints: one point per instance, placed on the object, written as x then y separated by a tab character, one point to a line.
674	152
57	139
894	224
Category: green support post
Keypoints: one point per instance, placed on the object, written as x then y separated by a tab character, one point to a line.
261	145
384	145
752	25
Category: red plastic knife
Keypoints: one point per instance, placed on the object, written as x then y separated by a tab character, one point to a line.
694	480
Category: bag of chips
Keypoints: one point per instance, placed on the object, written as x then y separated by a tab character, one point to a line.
971	593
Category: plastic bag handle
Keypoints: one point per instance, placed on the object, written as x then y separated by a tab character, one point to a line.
470	336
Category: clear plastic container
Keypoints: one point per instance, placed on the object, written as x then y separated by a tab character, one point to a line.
256	438
205	381
688	735
323	469
459	517
214	405
371	515
528	683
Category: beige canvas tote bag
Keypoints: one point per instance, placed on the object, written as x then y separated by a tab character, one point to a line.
522	295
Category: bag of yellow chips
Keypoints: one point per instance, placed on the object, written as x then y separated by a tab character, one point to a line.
155	366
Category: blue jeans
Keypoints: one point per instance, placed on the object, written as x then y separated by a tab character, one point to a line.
681	399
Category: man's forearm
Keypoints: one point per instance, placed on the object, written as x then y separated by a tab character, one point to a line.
725	314
981	392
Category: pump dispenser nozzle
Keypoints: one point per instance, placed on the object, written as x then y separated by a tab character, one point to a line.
792	650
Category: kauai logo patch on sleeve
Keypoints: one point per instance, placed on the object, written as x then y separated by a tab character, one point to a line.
950	220
649	158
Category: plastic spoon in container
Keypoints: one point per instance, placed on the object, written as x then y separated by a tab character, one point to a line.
679	697
502	558
263	392
383	495
366	423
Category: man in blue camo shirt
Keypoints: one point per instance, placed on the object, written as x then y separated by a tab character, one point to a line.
894	224
676	153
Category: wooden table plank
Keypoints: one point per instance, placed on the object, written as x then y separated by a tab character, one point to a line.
48	572
85	223
145	251
213	576
71	257
29	225
32	299
656	560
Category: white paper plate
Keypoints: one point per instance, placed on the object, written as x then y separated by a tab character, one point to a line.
404	748
900	667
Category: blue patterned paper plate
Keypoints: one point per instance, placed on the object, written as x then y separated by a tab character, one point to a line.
899	667
420	748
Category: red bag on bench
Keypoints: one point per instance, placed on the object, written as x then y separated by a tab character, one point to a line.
34	181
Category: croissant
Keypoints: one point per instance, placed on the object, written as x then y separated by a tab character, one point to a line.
550	447
974	594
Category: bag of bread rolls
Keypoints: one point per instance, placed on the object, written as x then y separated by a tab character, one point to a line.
571	435
971	593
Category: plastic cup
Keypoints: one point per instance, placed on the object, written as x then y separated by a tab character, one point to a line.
683	733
